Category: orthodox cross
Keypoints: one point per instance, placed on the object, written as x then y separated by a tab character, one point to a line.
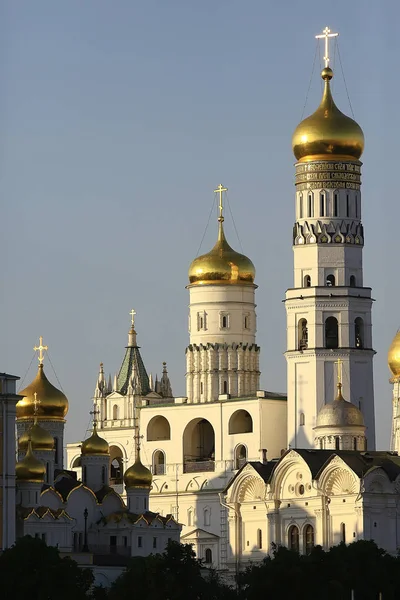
36	403
133	313
326	34
40	349
339	364
137	437
94	413
220	189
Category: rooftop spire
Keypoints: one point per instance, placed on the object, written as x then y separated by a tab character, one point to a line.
132	332
40	349
326	34
220	189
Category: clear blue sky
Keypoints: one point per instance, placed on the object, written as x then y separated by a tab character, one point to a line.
118	119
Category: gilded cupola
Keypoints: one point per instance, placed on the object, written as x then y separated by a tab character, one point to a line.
394	356
52	404
328	133
138	476
95	445
30	469
222	265
40	438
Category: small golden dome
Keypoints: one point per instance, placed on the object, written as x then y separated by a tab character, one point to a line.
328	133
40	438
95	444
53	403
394	355
340	413
138	476
30	469
222	265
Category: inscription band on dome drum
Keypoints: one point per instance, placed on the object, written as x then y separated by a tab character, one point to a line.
332	175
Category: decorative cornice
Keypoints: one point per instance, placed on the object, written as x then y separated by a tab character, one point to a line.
334	232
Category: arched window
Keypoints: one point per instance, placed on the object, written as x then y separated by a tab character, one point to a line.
359	332
201	387
308	541
158	429
355	444
207	517
240	422
352	281
158	462
310	205
302	334
115	411
190	517
301	206
331	333
337	443
347	206
116	465
225	387
336	205
307	281
240	456
198	446
322	204
208	556
293	538
259	539
224	322
330	280
302	419
57	450
343	532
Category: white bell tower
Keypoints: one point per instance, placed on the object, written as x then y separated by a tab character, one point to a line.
328	309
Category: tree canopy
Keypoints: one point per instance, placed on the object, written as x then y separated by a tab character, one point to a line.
31	569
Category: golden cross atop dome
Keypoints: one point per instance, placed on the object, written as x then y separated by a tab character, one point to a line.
339	364
40	349
220	189
326	34
36	403
94	413
133	313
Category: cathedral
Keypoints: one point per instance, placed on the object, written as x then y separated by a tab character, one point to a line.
231	468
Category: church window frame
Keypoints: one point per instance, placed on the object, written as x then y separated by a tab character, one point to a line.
355	444
190	517
240	421
225	387
207	516
308	538
302	334
331	331
240	456
310	205
337	442
343	533
246	321
201	321
359	333
158	462
294	538
115	412
330	280
302	419
352	281
224	320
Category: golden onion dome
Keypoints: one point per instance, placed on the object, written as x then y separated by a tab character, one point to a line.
222	265
138	476
53	403
328	133
95	444
394	355
40	438
340	413
30	469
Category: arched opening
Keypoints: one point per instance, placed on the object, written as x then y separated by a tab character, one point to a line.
240	456
330	280
259	539
115	411
352	281
301	206
240	422
207	517
158	429
331	333
322	205
116	465
225	387
208	556
310	205
76	463
355	444
307	281
224	322
336	205
343	532
198	446
308	541
337	443
293	538
302	334
158	462
302	419
359	332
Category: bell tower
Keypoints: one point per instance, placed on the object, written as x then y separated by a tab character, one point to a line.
328	309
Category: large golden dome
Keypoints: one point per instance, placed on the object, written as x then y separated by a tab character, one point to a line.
138	476
40	438
95	444
394	355
328	133
30	469
53	403
222	265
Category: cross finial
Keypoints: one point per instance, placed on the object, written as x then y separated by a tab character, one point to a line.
94	414
36	403
137	437
220	189
133	313
40	349
326	34
339	364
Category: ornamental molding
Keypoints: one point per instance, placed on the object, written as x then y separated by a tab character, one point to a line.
331	232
